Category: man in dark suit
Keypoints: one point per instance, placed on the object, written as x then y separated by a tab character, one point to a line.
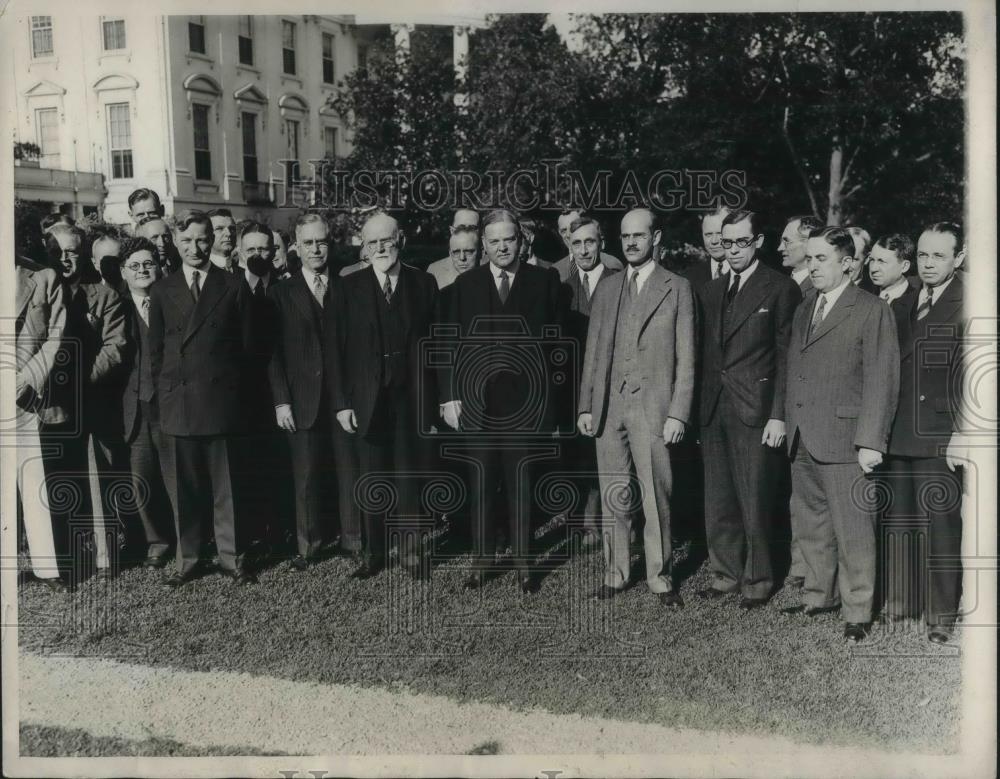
96	320
224	230
700	272
792	248
149	458
38	330
842	388
516	305
580	274
565	221
745	329
924	537
378	379
156	229
199	331
892	256
298	375
635	397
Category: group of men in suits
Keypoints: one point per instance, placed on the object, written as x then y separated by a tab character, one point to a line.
225	374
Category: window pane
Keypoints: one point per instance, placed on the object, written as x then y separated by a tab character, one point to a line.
288	61
328	61
114	34
330	141
199	116
327	46
246	50
203	165
246	26
288	35
41	36
248	122
196	37
119	126
47	124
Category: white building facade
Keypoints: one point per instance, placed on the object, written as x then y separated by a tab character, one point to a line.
199	108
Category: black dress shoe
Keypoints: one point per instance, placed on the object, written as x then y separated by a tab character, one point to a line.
672	599
178	579
810	611
300	563
475	580
367	570
241	577
55	583
528	584
606	592
795	582
749	604
939	634
857	631
710	593
154	561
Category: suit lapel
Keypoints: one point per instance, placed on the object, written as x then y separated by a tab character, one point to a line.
837	313
25	291
177	291
949	303
211	293
658	286
303	297
747	301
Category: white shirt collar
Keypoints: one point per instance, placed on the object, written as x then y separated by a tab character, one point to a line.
253	278
799	275
718	270
393	277
221	261
937	291
745	273
137	299
310	275
833	296
642	273
189	274
895	291
497	271
593	275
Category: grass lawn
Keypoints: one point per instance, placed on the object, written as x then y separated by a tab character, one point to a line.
710	666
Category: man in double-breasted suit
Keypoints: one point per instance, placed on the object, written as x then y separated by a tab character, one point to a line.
581	273
38	331
199	331
378	379
150	460
745	328
842	388
635	397
503	311
298	375
923	536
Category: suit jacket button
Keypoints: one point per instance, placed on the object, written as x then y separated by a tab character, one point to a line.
923	398
316	373
798	405
723	372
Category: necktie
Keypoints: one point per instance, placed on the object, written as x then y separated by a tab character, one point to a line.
734	288
885	296
925	308
718	268
586	286
195	287
258	291
387	290
144	311
319	288
504	286
818	316
633	285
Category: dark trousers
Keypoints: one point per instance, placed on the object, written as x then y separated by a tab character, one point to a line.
202	496
581	454
833	518
345	460
151	466
921	539
263	504
310	455
392	450
739	499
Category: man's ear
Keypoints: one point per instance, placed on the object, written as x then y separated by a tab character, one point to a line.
760	240
451	230
400	241
960	258
656	237
846	262
906	267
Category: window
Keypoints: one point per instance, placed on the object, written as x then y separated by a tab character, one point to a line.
362	57
47	128
248	122
196	34
330	142
288	47
329	71
114	33
246	40
41	36
120	140
292	167
202	152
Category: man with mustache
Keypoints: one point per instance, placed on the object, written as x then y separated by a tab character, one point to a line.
224	230
501	310
564	222
378	378
149	457
463	254
635	398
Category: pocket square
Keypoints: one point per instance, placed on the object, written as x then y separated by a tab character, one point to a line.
762	311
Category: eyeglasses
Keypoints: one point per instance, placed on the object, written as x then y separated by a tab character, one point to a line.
135	267
259	250
309	244
743	243
380	244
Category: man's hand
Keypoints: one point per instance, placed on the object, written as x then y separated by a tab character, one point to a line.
956	454
27	399
774	433
673	431
347	420
452	413
585	424
868	459
283	414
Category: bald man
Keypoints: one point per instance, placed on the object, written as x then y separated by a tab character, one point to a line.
565	221
635	398
463	254
377	383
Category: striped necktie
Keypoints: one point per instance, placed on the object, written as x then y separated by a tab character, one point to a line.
925	307
818	316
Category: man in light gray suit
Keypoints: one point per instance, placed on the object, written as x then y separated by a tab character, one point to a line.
635	397
842	391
